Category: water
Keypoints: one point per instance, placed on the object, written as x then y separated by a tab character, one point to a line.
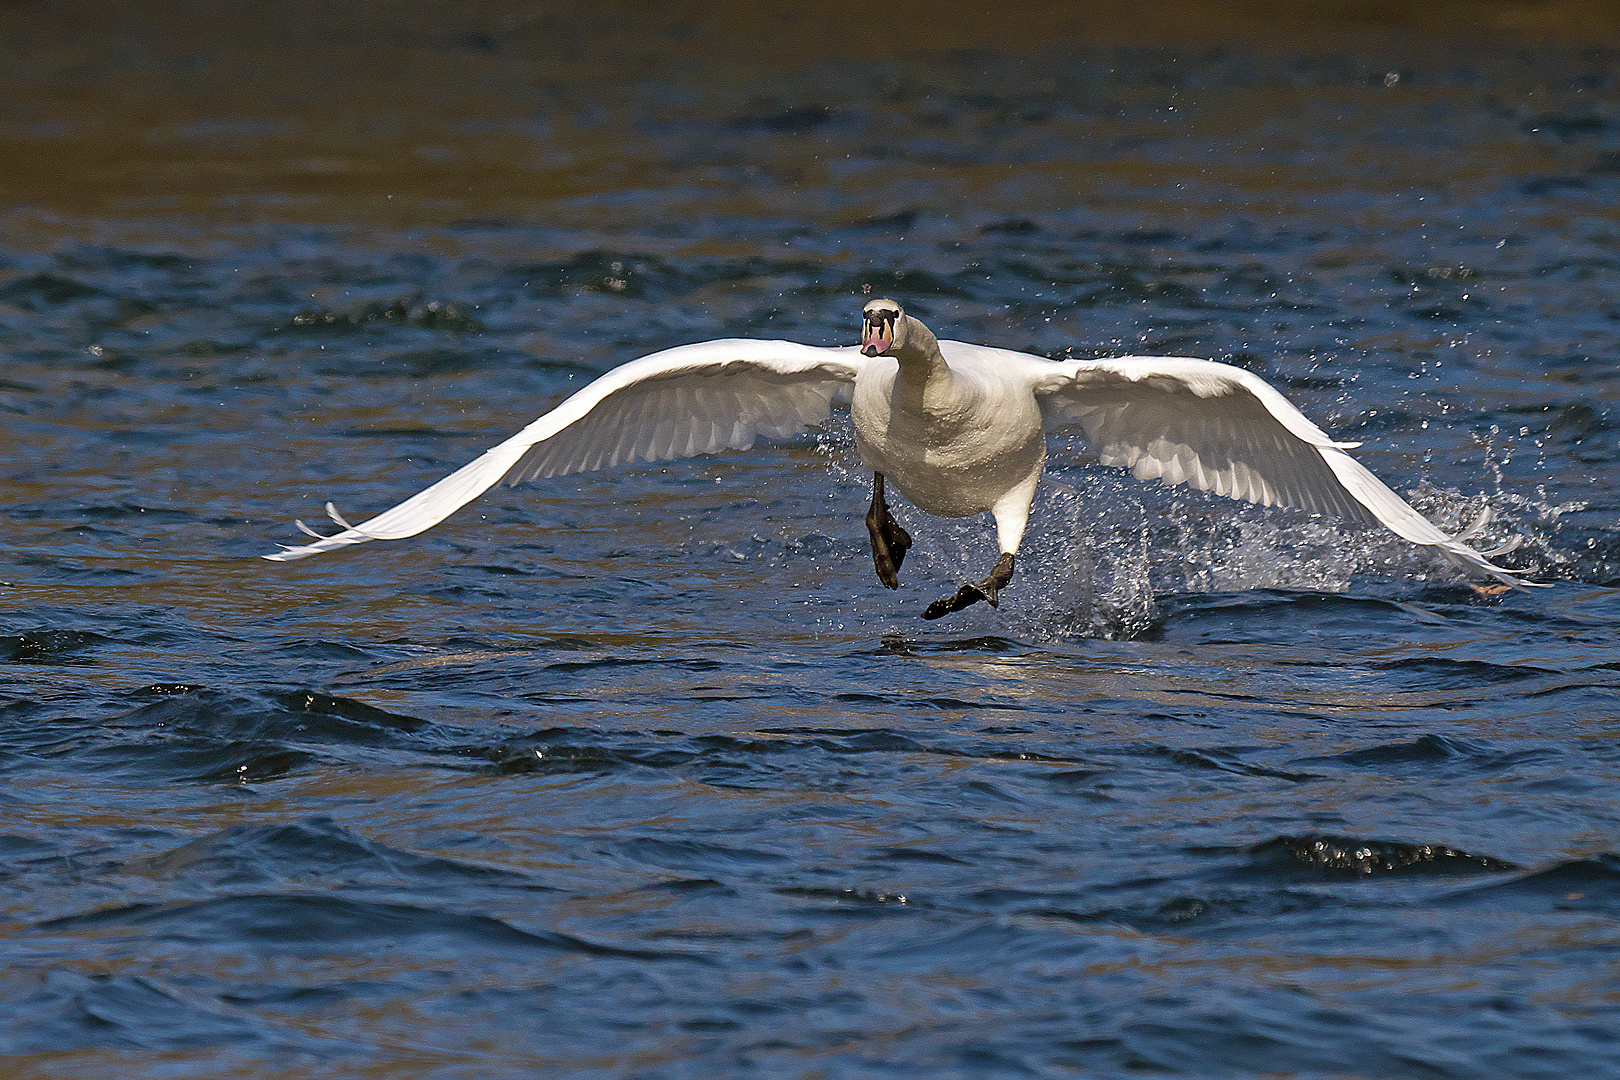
642	774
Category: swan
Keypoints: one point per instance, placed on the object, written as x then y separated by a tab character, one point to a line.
959	429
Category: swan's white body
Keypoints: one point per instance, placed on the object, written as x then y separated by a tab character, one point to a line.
965	440
958	428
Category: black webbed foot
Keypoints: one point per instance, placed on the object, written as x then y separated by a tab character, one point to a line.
987	590
889	541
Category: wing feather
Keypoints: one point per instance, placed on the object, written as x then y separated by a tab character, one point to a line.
1223	429
683	401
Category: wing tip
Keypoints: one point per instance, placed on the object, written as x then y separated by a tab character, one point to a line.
1471	558
1478	562
290	552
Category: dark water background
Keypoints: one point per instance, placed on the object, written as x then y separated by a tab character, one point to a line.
642	774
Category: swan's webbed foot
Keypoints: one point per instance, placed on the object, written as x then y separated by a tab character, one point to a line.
987	590
889	541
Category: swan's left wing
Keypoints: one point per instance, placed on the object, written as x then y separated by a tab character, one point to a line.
1223	429
694	399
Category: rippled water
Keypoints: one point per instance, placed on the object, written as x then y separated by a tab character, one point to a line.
642	774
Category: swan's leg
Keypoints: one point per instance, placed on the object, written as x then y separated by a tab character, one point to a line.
986	590
889	540
1011	514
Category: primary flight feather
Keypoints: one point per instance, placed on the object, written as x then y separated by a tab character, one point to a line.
959	429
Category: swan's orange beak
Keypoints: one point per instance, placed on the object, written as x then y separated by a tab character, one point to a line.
877	336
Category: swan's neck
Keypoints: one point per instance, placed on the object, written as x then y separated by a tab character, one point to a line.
919	357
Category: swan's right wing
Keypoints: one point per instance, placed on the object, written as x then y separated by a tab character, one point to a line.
693	399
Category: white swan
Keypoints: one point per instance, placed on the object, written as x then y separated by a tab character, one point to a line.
960	429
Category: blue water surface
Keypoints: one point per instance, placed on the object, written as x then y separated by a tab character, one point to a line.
642	773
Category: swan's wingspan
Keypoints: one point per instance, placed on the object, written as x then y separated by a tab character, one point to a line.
1222	429
694	399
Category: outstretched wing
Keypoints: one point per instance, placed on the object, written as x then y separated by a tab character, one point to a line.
694	399
1222	429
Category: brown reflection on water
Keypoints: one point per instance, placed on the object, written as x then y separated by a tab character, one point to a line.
416	114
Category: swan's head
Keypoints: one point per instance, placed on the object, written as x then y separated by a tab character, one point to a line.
889	331
884	329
